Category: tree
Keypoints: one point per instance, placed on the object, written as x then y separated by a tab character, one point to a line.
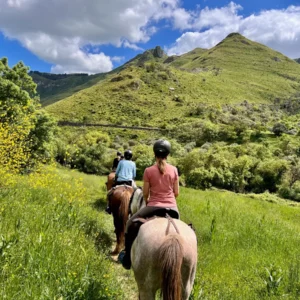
20	118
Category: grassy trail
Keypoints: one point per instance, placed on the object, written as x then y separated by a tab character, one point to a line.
96	198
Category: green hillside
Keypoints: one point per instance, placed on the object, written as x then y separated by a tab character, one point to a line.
148	91
54	87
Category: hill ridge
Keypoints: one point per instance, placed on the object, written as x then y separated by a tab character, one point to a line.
148	91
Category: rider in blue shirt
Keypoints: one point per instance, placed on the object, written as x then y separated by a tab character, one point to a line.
125	173
126	170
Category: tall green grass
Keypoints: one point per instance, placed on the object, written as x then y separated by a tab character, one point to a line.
55	242
248	248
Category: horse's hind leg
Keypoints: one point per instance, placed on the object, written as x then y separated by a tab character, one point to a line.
118	237
188	284
146	294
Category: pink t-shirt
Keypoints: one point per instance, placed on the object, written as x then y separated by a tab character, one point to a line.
161	186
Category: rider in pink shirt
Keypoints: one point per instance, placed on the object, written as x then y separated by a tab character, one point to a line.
161	187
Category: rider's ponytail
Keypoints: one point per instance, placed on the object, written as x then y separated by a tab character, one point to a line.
161	163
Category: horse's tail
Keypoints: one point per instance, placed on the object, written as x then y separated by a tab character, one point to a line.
124	206
171	257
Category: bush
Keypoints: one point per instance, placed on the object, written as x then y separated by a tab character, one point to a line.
278	129
143	157
200	178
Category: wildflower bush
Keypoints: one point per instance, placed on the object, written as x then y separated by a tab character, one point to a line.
25	130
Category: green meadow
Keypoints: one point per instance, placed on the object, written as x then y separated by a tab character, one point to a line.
55	241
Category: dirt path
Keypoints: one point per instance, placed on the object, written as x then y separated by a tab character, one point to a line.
124	277
75	124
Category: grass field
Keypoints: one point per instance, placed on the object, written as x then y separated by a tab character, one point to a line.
55	240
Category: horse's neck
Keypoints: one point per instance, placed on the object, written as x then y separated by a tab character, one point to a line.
137	201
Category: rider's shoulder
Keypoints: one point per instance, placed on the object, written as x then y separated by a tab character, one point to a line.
170	166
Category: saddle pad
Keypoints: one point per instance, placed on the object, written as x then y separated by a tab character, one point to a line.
115	187
137	195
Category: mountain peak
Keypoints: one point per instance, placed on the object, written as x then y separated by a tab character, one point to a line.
234	34
235	37
158	52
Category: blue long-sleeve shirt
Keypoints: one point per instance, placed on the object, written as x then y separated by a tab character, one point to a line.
126	170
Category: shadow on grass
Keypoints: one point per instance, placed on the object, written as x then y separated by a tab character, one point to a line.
100	204
103	242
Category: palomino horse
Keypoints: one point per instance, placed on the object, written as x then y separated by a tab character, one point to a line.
164	256
119	198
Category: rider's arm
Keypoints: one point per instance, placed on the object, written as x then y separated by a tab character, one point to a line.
146	191
118	169
176	184
176	188
134	171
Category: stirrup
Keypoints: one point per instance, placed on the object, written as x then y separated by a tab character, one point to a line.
124	260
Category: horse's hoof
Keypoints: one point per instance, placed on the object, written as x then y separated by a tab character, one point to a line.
115	252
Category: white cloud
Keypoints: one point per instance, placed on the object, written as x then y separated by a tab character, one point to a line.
278	29
69	33
58	30
126	44
118	58
182	19
217	16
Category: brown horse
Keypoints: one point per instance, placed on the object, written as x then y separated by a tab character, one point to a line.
119	198
110	180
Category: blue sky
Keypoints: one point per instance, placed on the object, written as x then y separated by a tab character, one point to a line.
97	35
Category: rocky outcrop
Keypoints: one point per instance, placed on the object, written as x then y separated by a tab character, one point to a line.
158	52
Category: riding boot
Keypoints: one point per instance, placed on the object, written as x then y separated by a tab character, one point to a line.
107	209
124	256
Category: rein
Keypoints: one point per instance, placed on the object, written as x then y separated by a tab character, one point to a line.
170	220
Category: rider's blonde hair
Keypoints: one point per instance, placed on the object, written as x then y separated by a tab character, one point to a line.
161	163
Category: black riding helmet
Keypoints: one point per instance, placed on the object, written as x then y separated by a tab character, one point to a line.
128	154
162	148
119	153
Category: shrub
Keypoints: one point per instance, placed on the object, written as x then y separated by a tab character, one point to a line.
278	129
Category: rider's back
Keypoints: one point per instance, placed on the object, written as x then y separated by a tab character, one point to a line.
161	186
126	170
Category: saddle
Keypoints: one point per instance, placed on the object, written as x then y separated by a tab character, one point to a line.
117	186
161	213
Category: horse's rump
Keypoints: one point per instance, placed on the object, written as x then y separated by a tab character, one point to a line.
168	261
